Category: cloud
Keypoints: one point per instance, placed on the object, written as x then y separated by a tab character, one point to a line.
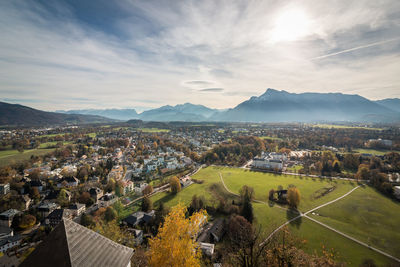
199	83
356	48
137	52
212	90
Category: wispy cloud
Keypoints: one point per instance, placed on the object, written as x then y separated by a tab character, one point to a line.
356	48
212	90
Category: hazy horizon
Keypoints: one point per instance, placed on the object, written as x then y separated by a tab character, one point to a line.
64	55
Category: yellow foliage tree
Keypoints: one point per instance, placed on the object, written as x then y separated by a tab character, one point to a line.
293	197
175	243
175	185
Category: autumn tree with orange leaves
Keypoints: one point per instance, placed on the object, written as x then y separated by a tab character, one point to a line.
175	243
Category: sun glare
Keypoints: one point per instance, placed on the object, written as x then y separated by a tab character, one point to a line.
290	25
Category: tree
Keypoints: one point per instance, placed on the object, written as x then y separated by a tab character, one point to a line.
27	221
87	220
175	185
247	211
147	190
336	166
34	193
62	198
363	172
271	194
110	214
293	197
247	192
85	198
197	203
146	204
247	195
175	244
246	244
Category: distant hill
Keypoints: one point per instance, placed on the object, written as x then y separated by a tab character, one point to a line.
117	114
272	106
15	114
392	103
281	106
184	112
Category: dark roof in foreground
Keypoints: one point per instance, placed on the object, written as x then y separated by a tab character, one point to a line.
71	244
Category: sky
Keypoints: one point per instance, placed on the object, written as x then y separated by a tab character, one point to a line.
142	54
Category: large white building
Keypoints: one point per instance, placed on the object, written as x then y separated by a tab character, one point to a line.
397	192
270	161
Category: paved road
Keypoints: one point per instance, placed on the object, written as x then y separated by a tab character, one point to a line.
320	223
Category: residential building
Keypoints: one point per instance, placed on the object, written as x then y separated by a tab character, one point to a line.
7	217
56	216
68	182
71	244
128	186
46	208
4	189
397	191
107	200
138	218
116	172
27	201
9	242
77	209
207	248
96	193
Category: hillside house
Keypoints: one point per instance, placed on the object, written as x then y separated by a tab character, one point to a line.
4	189
7	217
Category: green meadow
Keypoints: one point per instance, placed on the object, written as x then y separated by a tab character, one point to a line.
314	192
8	157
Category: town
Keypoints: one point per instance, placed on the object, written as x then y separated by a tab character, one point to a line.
121	180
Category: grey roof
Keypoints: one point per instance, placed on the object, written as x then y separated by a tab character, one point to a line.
71	244
9	213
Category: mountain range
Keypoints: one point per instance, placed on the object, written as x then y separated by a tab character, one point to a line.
15	114
272	106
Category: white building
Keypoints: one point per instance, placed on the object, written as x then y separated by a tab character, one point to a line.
397	192
270	161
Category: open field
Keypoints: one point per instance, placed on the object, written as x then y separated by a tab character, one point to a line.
345	250
53	143
295	168
13	156
52	135
270	217
92	135
368	216
314	191
270	138
379	152
329	126
153	130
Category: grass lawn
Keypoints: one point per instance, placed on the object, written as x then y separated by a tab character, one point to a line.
295	168
53	143
208	175
379	152
314	191
329	126
270	138
271	217
8	157
52	135
92	135
124	212
153	130
368	216
345	250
